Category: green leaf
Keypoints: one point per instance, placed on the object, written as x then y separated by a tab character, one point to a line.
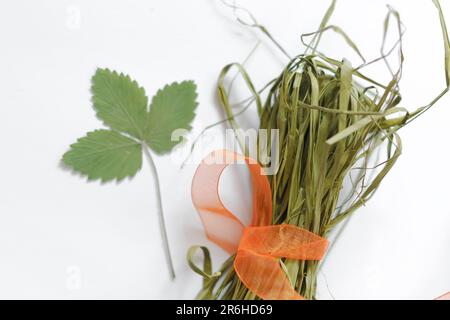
173	107
120	102
105	155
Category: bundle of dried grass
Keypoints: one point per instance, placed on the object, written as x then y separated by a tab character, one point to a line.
332	121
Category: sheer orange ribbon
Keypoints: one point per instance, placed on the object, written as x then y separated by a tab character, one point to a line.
259	245
444	297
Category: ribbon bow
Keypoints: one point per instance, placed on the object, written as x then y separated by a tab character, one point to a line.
259	245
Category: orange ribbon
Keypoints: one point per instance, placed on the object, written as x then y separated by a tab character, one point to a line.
259	245
444	297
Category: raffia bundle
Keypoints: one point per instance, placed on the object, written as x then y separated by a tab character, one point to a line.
332	122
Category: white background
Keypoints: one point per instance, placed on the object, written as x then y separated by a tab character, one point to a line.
64	238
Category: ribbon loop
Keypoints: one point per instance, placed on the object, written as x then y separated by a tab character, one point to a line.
221	226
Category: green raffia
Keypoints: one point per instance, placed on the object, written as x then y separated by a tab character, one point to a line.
330	125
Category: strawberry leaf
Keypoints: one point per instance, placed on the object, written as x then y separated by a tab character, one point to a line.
173	107
120	102
105	155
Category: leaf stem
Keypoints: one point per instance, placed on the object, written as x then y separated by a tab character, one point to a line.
160	212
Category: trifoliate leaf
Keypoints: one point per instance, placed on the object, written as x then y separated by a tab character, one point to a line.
105	155
120	102
123	106
173	107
